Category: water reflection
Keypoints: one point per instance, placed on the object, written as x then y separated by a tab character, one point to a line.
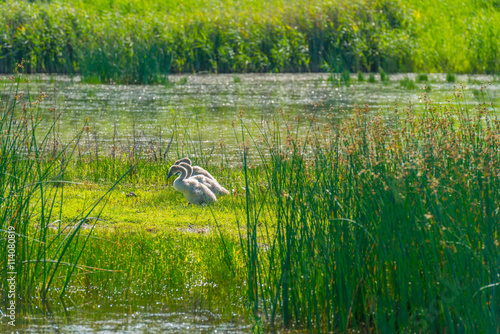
214	101
135	318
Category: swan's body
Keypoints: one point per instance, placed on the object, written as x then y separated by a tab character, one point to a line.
194	191
210	183
197	170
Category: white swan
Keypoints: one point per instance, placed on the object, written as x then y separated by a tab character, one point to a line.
194	191
211	184
197	170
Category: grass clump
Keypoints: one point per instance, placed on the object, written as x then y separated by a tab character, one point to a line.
384	77
371	78
361	77
422	77
407	83
450	77
345	78
144	41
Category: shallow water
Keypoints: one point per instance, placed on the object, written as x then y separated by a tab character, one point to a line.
126	318
205	106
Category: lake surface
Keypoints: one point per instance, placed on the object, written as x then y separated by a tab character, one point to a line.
205	107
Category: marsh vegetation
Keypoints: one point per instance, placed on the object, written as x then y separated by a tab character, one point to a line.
338	219
361	197
145	41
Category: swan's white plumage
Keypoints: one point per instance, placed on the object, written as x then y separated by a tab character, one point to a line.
193	190
211	183
197	170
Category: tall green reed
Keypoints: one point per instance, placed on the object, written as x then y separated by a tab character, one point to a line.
384	223
32	187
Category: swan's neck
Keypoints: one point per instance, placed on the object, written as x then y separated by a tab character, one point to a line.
183	175
189	170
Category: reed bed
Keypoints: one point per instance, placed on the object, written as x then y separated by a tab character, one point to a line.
37	247
144	41
379	223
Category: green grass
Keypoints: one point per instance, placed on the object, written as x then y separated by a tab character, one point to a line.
450	77
422	77
361	77
175	259
384	77
371	78
121	41
408	83
155	207
345	78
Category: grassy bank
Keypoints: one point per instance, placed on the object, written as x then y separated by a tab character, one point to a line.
144	41
31	256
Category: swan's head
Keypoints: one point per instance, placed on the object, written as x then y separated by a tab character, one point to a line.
185	160
185	165
174	170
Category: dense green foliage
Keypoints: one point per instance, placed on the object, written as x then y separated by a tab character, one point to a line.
144	41
35	251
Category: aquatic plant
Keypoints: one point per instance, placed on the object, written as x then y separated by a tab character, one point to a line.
371	78
407	83
361	77
37	247
380	223
450	77
422	77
